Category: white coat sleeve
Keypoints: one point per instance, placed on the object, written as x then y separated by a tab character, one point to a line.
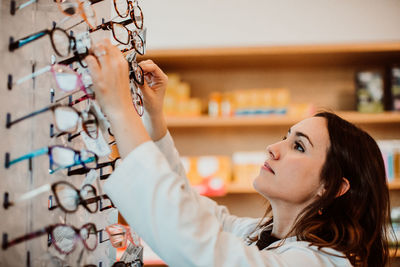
156	202
240	226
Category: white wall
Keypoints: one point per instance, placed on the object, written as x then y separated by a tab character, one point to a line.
219	23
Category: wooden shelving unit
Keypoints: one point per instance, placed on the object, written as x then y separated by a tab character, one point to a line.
278	56
277	120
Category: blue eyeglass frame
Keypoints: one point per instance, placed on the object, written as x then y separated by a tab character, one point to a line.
48	150
35	36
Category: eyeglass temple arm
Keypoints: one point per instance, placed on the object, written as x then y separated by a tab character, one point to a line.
9	123
126	22
78	171
6	244
84	170
14	9
104	26
25	40
95	199
33	75
30	194
77	57
92	2
32	154
100	233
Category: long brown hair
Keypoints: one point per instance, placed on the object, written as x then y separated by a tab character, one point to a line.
357	222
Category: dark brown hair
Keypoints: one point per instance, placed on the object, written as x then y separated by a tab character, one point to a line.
357	222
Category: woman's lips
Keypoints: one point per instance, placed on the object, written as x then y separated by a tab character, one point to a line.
267	167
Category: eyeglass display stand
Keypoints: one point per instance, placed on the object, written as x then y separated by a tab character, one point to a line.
32	134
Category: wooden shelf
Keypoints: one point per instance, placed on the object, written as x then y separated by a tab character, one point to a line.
277	120
395	185
276	56
393	253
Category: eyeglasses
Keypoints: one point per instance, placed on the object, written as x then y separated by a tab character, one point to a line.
135	263
84	8
64	237
122	34
135	71
127	7
119	235
67	119
137	99
66	78
59	156
114	163
69	198
62	43
136	76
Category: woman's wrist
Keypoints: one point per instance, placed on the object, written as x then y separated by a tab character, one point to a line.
156	125
128	129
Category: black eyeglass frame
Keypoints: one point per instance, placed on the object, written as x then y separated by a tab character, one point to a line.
81	201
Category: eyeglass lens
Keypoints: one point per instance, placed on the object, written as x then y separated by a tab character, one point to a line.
61	42
67	120
67	79
64	237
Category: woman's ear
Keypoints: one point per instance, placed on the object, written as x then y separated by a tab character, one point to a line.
345	186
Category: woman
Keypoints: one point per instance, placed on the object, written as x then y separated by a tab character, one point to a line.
325	182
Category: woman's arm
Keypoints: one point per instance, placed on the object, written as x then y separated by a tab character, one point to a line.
109	71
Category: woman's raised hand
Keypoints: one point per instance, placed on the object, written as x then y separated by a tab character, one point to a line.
110	75
153	98
154	88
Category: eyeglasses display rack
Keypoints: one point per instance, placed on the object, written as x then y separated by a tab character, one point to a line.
44	222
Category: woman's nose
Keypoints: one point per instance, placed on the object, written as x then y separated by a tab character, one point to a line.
273	151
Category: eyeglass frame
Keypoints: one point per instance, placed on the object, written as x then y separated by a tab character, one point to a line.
52	108
82	201
100	166
48	150
80	11
129	11
35	36
108	26
49	230
127	234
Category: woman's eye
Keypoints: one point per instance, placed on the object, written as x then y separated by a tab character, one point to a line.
298	147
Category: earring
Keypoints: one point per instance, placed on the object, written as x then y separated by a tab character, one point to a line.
320	211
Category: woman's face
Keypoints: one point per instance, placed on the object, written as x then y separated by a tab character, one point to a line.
291	173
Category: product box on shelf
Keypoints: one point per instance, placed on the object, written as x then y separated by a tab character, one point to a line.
177	101
391	156
209	175
246	166
249	102
395	87
370	91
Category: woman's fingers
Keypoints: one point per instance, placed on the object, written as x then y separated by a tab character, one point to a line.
149	66
93	66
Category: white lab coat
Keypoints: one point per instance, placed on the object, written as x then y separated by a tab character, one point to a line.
152	193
